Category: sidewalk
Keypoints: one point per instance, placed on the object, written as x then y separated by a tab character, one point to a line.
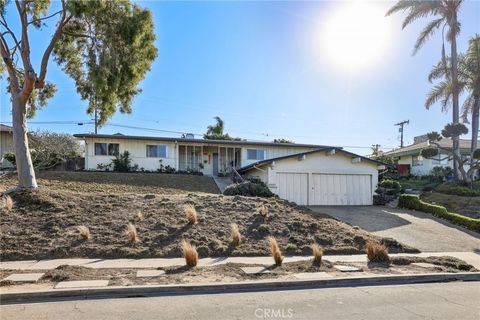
469	257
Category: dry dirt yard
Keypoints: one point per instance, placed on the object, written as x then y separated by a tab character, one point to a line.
231	272
43	224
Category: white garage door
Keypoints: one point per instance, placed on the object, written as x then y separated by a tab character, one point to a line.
341	189
293	187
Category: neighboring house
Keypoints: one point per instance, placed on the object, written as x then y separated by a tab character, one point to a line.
6	144
326	176
303	173
410	160
210	157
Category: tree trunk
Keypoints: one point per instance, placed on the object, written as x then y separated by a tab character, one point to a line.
26	174
455	109
475	127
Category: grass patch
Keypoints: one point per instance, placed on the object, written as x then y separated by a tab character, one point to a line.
235	235
132	234
410	201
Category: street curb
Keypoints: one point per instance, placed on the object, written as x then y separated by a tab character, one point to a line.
218	288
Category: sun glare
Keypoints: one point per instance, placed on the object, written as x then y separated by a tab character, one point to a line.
354	35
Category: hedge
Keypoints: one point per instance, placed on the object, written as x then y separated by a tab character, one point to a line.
255	188
411	201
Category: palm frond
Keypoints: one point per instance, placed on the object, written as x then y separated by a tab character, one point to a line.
467	108
438	92
401	5
426	33
439	71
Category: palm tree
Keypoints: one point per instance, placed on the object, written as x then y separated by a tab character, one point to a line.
468	81
445	13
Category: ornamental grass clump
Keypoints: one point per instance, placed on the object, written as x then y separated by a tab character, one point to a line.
235	235
263	211
8	202
191	214
317	254
377	252
190	254
84	232
275	251
132	233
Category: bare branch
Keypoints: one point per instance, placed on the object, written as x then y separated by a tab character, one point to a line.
45	18
40	83
14	84
5	24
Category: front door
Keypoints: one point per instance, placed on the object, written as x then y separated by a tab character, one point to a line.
215	164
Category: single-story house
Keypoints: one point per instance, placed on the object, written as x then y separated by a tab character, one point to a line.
6	144
325	176
304	173
211	157
410	160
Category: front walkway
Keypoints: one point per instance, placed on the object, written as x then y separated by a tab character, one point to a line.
222	182
469	257
414	228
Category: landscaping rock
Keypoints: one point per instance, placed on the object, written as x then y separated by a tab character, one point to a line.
346	268
255	270
150	273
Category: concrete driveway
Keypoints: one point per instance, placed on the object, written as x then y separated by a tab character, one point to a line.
417	229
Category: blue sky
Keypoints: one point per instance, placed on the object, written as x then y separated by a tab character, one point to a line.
265	69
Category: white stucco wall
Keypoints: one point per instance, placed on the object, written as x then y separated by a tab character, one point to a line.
272	152
138	153
137	149
318	162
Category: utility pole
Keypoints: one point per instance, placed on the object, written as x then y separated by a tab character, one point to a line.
401	124
96	120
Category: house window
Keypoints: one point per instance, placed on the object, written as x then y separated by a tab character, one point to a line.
441	159
107	149
156	151
417	161
255	154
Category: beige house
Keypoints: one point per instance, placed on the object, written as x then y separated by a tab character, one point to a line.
6	144
409	158
303	173
326	176
211	157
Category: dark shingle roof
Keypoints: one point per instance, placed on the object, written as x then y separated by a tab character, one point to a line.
268	161
202	141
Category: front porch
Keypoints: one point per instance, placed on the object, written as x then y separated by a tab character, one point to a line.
209	159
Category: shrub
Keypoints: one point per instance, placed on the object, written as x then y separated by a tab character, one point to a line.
377	252
291	247
191	214
458	189
10	157
249	189
317	254
132	233
84	232
275	251
438	173
123	163
390	187
190	254
411	201
235	234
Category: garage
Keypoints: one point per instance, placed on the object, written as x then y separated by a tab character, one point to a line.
332	177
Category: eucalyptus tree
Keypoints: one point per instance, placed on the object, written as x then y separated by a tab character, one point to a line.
445	16
106	47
